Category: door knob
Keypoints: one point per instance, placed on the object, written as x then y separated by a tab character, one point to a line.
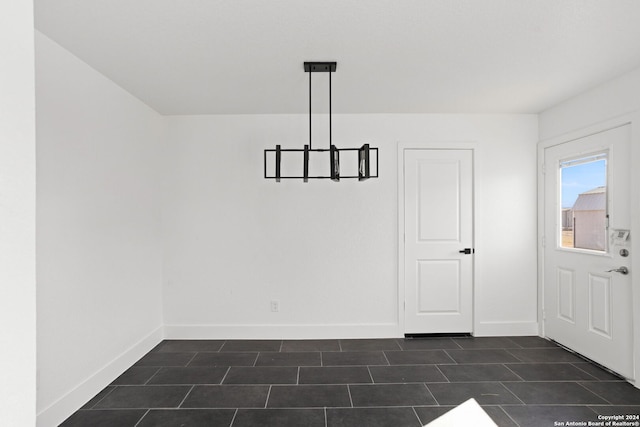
466	251
621	270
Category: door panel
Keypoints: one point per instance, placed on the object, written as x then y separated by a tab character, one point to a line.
438	225
566	295
600	305
439	182
587	307
439	286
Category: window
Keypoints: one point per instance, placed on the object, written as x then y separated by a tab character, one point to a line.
583	195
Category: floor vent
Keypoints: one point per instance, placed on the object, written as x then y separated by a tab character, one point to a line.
418	336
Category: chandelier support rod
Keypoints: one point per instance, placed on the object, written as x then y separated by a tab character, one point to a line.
310	146
330	143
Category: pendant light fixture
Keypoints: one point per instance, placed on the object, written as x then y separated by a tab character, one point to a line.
366	156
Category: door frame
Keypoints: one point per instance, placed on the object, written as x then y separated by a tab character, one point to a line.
444	145
632	120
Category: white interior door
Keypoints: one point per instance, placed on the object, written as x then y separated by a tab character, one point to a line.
438	210
587	306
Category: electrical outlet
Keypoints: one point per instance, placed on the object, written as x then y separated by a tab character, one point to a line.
275	306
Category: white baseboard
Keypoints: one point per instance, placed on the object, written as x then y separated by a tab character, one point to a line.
60	410
506	329
382	330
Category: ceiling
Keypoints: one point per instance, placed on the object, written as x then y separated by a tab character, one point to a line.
394	56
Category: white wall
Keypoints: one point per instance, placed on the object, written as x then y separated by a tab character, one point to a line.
17	215
328	251
98	231
612	99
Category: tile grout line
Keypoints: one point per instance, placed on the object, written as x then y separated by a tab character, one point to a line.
325	416
517	358
456	343
142	417
451	357
431	393
370	375
266	402
578	367
386	358
234	417
509	415
255	360
151	377
298	377
225	375
104	397
518	345
186	395
514	372
190	360
516	405
343	384
416	414
349	391
509	390
594	393
443	374
594	411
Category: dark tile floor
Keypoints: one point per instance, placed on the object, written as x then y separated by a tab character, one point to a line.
519	381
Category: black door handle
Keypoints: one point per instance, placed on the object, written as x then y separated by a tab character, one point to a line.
467	251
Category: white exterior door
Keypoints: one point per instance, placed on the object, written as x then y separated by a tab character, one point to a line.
587	306
438	218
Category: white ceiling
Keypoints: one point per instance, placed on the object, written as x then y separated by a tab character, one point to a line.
394	56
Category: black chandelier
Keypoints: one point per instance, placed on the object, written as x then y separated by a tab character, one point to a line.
366	156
